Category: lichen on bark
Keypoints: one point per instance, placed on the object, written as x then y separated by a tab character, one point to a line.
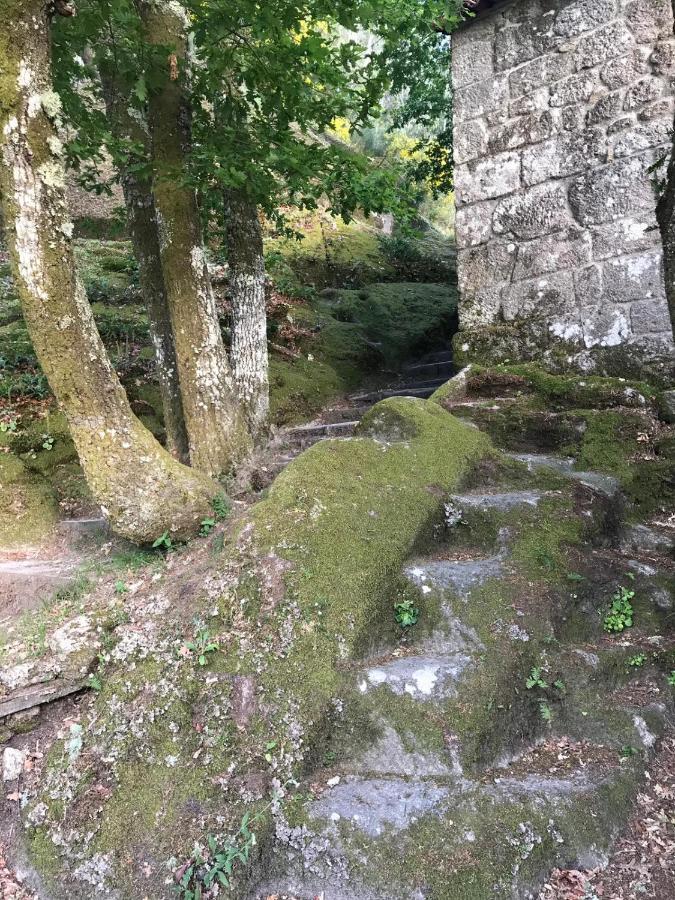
249	320
216	429
141	488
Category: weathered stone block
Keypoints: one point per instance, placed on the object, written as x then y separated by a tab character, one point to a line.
561	156
481	307
644	91
551	253
625	236
472	62
605	326
539	72
550	295
488	178
487	264
474	100
620	125
604	43
588	285
583	15
470	140
663	58
537	101
624	70
616	190
573	118
473	224
649	134
662	109
574	89
632	278
521	131
649	317
516	44
533	213
607	107
649	20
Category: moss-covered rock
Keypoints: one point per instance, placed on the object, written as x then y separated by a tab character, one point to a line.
28	509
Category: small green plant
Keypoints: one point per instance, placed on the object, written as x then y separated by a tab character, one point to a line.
535	680
406	613
545	711
627	751
9	427
559	685
205	870
207	526
47	442
638	660
202	645
221	506
121	588
575	576
95	682
671	678
269	746
163	542
620	615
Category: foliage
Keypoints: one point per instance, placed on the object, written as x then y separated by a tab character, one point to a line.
202	644
221	506
638	660
163	542
620	615
535	680
671	678
205	869
406	613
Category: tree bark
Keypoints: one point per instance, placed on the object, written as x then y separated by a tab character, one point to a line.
216	428
142	220
665	216
249	320
142	489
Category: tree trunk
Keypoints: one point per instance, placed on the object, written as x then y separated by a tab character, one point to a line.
142	489
665	216
142	220
216	429
249	320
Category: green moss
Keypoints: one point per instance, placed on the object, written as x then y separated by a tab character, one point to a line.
28	510
301	388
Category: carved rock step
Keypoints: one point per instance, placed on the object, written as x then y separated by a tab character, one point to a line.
442	369
423	390
306	435
606	484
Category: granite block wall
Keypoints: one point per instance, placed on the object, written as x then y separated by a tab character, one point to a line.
560	111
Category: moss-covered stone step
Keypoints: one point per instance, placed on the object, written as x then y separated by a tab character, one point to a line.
599	481
402	836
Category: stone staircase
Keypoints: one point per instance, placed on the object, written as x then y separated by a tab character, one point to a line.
507	732
418	379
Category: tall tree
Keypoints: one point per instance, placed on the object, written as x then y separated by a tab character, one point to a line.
140	486
249	321
216	429
128	127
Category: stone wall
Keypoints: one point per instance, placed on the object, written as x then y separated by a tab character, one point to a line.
560	110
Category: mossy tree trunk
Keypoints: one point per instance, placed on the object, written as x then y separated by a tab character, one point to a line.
249	319
665	215
142	221
142	489
216	428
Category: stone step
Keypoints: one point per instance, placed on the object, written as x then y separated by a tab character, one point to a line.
431	369
94	526
344	414
309	434
460	576
413	390
606	484
420	677
437	356
495	836
500	501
